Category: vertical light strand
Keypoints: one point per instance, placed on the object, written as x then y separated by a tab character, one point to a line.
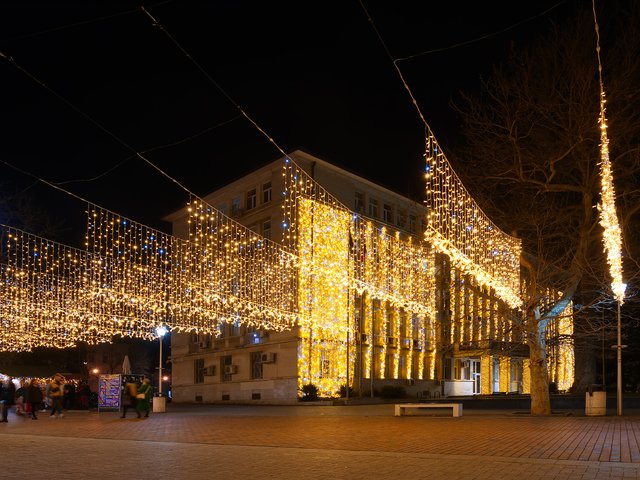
612	235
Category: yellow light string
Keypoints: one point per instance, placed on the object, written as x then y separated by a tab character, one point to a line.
389	273
223	273
48	297
612	235
457	227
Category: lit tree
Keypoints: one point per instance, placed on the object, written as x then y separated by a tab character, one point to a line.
530	155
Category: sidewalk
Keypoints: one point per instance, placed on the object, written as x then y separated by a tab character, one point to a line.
365	441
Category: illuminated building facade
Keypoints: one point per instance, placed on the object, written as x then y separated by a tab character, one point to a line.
375	304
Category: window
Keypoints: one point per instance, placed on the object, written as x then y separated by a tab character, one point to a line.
412	223
224	208
266	192
252	198
359	202
386	213
225	361
256	365
373	207
235	206
253	227
198	370
401	220
266	229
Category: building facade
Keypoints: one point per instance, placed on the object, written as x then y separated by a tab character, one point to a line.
375	305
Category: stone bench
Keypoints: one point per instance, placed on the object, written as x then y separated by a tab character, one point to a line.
401	408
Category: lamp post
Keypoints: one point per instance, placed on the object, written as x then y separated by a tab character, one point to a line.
619	348
619	382
159	402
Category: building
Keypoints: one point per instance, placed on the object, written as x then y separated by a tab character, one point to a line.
375	304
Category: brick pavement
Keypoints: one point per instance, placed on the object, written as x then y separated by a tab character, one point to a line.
302	442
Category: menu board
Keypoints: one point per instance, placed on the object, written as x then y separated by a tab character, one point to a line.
109	392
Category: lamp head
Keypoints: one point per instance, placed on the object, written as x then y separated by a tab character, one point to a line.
161	331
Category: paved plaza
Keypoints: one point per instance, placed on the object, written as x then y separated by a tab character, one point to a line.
329	442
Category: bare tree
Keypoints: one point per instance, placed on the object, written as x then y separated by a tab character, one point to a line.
531	155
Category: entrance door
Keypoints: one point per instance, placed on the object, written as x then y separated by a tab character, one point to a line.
475	376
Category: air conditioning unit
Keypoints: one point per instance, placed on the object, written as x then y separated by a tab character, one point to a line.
391	341
209	371
230	369
268	357
204	344
416	344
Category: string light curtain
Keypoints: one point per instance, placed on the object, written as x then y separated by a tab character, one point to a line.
222	273
457	227
323	293
48	297
341	253
247	277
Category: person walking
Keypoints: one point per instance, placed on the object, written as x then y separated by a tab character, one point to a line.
21	392
34	397
129	397
143	403
8	398
55	396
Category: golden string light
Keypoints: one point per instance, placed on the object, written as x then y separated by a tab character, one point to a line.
612	235
340	254
48	297
457	227
223	272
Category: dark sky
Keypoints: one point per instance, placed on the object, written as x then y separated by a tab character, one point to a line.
313	75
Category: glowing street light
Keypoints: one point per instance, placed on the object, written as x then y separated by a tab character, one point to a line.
161	331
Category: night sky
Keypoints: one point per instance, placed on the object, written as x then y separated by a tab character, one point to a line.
312	75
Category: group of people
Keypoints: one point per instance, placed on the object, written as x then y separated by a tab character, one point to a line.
137	397
28	398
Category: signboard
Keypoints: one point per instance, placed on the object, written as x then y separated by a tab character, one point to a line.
109	392
110	389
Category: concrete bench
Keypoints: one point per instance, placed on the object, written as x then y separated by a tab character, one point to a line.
401	408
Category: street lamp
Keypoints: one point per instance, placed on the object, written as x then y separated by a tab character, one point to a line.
159	402
161	332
